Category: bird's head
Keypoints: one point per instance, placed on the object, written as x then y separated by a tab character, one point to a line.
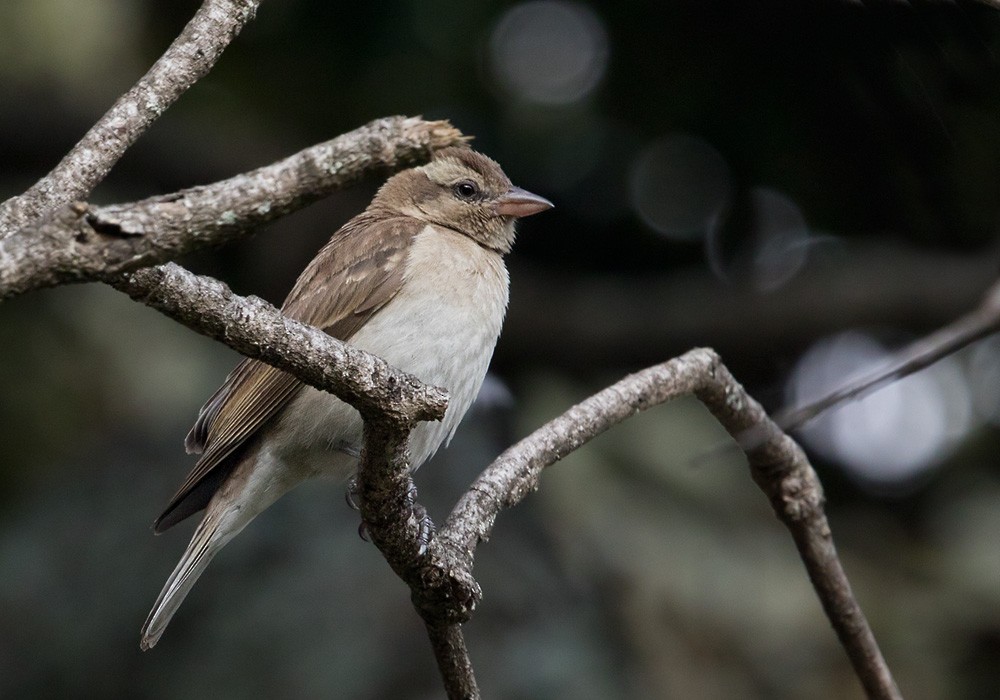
465	191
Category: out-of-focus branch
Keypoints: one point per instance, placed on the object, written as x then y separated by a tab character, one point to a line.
81	242
191	56
633	320
777	463
979	323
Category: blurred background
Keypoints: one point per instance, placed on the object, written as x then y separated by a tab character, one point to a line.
803	186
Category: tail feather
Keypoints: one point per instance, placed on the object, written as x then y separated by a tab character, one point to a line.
205	544
252	486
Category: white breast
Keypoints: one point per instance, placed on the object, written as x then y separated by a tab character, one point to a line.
441	327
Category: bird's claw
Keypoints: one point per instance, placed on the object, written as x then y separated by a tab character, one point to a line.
352	493
411	495
425	527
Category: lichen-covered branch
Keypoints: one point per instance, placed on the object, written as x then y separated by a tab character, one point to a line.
259	330
777	463
191	56
81	242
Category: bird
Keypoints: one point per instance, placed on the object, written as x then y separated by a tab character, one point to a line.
418	278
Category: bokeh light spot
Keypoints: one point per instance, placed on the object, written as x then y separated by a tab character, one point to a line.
767	249
551	53
893	435
678	186
984	378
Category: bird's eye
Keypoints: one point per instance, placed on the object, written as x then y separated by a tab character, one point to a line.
466	189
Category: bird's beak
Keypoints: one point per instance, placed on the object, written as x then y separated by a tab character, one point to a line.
517	202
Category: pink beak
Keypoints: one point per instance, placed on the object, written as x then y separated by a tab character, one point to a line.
517	202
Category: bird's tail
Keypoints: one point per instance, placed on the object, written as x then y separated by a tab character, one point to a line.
206	542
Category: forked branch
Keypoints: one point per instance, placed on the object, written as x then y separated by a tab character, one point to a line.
440	574
778	466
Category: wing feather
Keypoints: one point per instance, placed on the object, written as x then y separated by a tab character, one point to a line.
367	274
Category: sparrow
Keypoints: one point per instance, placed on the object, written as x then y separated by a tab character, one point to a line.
417	279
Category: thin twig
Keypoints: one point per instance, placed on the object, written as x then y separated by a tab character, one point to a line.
982	321
190	57
780	468
926	288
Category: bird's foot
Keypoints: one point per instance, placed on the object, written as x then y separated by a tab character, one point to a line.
425	526
411	495
352	494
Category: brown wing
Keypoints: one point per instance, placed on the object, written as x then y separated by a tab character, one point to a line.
366	275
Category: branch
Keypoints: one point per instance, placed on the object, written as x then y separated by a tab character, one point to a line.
255	328
190	57
777	464
80	242
448	643
977	324
868	282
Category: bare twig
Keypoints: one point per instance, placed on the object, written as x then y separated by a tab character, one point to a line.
780	468
777	463
80	242
977	324
189	58
440	578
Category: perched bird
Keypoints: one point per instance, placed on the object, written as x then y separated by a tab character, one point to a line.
418	279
